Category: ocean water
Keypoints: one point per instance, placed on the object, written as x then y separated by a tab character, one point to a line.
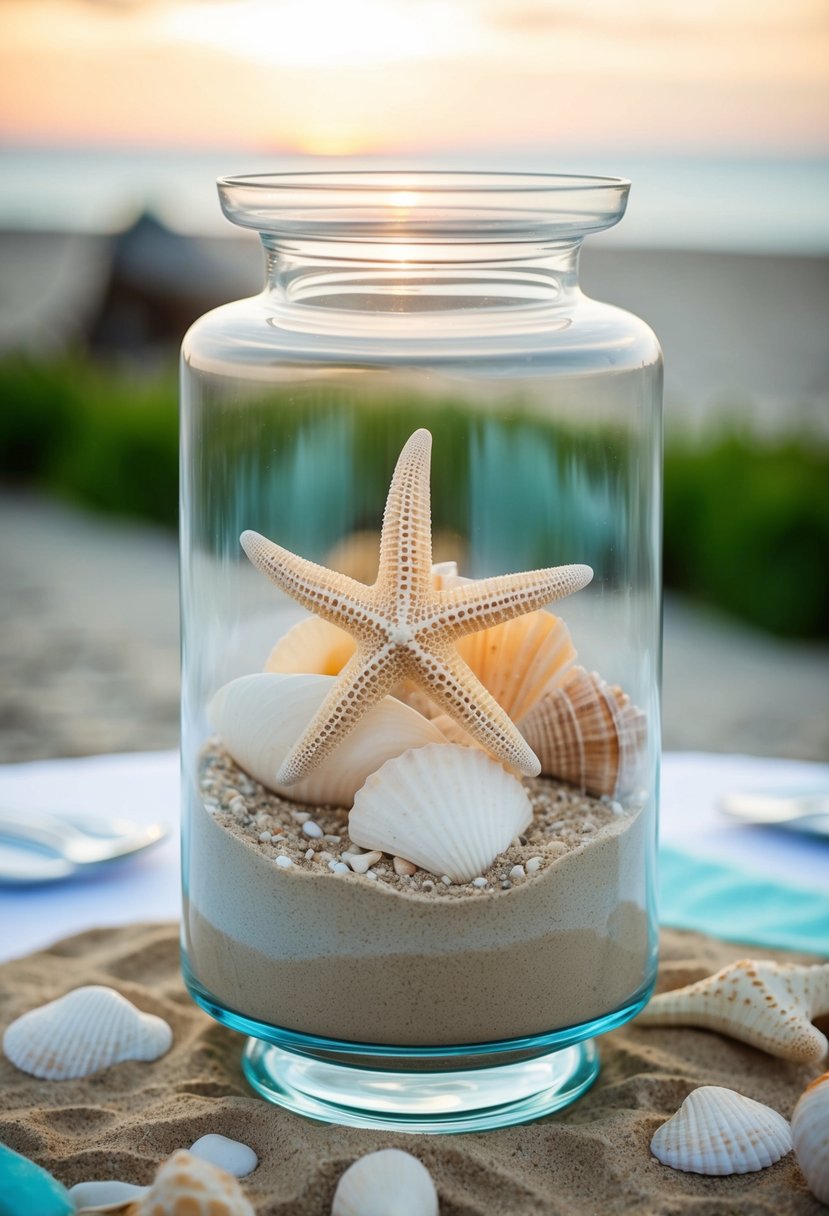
737	204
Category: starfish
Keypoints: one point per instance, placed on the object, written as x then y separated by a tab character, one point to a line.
404	628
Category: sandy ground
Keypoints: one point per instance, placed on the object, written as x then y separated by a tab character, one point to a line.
89	651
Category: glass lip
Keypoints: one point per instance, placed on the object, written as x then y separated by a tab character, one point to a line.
423	204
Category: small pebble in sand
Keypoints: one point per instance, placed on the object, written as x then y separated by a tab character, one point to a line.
532	865
309	828
401	866
517	873
229	1155
333	839
360	862
428	885
338	867
300	816
506	885
446	880
370	874
324	856
309	854
264	836
479	882
284	861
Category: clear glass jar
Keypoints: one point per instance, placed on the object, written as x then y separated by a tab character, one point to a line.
398	304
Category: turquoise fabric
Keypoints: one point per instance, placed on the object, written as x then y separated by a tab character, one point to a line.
737	905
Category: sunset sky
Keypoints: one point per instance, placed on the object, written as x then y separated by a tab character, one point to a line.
365	76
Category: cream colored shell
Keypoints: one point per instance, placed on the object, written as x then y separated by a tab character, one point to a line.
588	733
259	718
313	646
83	1032
769	1005
717	1131
449	809
187	1186
384	1182
810	1136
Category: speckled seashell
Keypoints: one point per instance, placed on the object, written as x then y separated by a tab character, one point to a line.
83	1032
187	1186
769	1005
718	1131
313	646
588	733
449	809
520	660
386	1181
810	1136
260	717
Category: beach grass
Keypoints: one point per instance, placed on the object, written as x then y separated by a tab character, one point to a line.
746	516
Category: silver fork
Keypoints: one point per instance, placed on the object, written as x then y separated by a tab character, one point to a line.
38	847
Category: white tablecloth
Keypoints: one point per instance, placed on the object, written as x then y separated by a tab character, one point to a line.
145	787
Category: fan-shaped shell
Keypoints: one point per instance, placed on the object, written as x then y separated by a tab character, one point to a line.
110	1196
313	646
449	809
718	1131
386	1181
519	660
186	1184
588	733
260	717
810	1136
83	1032
769	1005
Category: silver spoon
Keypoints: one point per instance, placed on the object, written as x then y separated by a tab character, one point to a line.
799	810
38	847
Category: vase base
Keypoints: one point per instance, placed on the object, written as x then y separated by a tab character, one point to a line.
468	1100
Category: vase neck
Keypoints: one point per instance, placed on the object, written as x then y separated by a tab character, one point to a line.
399	279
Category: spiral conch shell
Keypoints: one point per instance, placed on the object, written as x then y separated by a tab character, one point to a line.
259	718
769	1005
386	1181
449	809
717	1131
588	733
82	1032
810	1136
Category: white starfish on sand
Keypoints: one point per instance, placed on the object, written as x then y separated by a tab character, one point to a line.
404	628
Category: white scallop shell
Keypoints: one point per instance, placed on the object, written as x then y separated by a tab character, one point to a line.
110	1196
313	646
232	1156
718	1131
260	717
185	1183
449	809
82	1032
386	1181
810	1136
587	732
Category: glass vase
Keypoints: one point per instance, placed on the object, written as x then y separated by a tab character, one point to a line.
414	926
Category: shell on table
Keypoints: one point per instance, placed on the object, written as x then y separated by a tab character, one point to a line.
389	1180
187	1184
588	733
717	1131
810	1136
82	1032
260	717
769	1005
313	646
446	808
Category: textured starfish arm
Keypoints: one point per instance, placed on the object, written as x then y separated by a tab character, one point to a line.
489	601
406	538
458	690
360	685
325	592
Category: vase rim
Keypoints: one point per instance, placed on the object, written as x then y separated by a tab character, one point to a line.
424	205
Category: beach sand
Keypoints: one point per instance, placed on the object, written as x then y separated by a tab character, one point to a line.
592	1160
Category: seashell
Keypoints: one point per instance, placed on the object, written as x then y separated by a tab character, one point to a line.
186	1184
718	1131
769	1005
260	717
386	1181
519	660
111	1196
810	1136
449	809
588	733
27	1188
83	1032
229	1155
312	646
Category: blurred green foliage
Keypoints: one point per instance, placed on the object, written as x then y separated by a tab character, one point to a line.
746	518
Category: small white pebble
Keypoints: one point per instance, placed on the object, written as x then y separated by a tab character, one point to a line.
284	861
370	874
402	866
617	808
229	1155
333	839
517	873
309	854
478	882
339	867
532	865
352	849
312	829
323	856
446	880
300	816
263	836
428	885
360	862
